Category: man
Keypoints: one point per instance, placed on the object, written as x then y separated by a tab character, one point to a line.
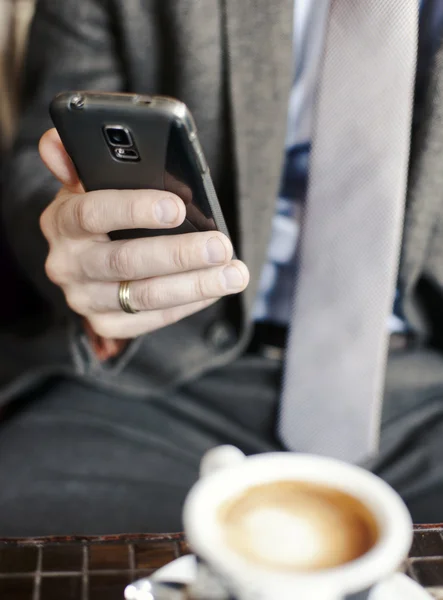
105	435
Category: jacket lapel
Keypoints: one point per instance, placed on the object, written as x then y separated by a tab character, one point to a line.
425	194
258	46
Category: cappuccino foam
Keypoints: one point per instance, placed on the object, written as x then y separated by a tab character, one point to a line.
299	526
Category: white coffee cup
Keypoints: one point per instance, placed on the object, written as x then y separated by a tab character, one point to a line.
227	475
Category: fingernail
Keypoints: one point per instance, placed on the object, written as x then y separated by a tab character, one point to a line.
166	210
233	277
215	250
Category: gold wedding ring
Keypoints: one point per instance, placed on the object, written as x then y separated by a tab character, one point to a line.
123	298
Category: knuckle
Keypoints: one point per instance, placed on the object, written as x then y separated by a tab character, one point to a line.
121	262
51	269
147	296
202	289
85	214
57	269
134	207
180	256
47	224
135	211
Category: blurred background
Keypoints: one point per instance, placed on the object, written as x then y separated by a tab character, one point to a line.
15	18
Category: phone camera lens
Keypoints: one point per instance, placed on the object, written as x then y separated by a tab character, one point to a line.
118	136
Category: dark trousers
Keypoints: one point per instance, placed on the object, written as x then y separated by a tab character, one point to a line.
79	460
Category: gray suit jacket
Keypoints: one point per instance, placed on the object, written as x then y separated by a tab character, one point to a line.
231	62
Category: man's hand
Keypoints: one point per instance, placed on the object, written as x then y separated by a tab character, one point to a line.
171	276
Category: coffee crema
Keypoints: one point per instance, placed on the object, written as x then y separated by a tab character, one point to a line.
297	526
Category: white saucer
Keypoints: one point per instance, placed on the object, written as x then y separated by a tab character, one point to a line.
397	587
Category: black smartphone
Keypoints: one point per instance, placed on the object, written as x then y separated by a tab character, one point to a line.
130	141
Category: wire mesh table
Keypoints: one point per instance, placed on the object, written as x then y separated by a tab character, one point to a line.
95	568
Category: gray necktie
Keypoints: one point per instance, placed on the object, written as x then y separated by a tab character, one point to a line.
351	230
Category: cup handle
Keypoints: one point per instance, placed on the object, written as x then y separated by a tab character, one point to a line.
220	457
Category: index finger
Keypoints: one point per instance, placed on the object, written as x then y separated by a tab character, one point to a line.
57	160
103	211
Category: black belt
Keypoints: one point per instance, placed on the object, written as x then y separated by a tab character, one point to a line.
269	340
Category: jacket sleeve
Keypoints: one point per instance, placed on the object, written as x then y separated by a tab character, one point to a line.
72	45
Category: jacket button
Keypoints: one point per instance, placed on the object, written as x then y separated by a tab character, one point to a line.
221	335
